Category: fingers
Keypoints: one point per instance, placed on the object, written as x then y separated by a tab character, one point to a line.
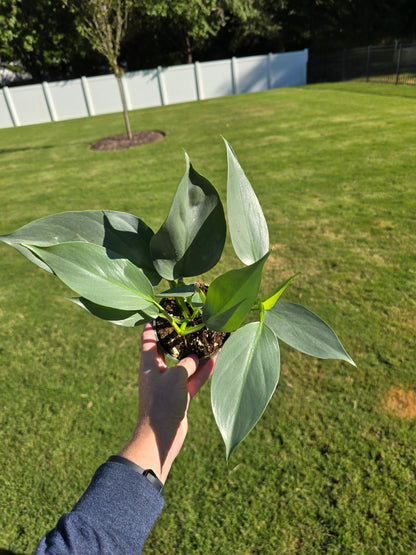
197	380
151	355
148	338
190	363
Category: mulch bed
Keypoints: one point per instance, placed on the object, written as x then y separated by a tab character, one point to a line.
121	141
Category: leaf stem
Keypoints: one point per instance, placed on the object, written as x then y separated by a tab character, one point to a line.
261	309
182	305
193	329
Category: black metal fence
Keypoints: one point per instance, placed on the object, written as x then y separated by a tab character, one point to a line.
384	64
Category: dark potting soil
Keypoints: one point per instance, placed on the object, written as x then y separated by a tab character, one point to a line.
203	343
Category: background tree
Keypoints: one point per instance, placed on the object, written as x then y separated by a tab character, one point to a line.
179	30
40	38
103	23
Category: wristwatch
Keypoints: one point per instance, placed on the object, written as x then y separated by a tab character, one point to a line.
148	474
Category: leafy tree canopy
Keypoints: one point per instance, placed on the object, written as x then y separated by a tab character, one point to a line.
41	36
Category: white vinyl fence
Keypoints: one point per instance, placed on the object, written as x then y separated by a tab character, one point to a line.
77	98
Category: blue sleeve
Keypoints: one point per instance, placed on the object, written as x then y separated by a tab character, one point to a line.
113	517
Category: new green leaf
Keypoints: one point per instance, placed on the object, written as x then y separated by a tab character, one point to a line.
305	331
246	221
120	232
191	239
231	296
269	301
98	275
245	377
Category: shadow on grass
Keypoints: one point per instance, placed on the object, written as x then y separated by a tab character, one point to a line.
7	552
23	149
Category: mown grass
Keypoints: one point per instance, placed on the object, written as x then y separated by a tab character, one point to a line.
331	466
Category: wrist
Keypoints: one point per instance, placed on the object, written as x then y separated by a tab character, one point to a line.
143	450
146	472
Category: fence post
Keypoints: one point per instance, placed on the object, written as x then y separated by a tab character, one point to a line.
49	101
398	64
234	74
162	87
198	81
87	96
126	92
10	105
269	70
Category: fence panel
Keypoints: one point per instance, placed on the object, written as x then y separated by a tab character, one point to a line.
383	64
30	104
143	88
179	83
288	69
407	65
68	99
217	79
105	96
60	100
252	74
6	119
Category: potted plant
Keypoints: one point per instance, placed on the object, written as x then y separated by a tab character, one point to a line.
116	264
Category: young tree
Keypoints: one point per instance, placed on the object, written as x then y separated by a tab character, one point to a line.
103	23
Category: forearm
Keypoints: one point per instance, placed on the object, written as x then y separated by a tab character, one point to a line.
143	450
114	515
148	450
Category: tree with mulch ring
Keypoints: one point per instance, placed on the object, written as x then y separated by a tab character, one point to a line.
122	140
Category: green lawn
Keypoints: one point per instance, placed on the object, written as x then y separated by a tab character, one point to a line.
331	466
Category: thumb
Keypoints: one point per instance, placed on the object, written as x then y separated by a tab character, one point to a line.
190	364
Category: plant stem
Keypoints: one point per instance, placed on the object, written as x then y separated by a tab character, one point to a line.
182	305
171	319
192	329
261	309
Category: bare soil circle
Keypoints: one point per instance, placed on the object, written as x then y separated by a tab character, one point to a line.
121	141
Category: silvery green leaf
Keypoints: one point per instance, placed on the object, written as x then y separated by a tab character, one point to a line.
246	221
305	331
245	377
192	238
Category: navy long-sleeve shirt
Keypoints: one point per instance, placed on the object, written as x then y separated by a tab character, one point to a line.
113	517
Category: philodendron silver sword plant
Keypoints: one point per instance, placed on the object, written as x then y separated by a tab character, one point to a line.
115	263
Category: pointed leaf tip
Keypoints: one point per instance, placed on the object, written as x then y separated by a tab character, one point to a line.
247	224
245	377
191	239
305	331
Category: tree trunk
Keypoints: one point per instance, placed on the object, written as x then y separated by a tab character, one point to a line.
124	103
189	52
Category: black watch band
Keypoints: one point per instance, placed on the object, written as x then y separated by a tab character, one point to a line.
148	474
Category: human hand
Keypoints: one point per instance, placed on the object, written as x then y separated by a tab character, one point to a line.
164	396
